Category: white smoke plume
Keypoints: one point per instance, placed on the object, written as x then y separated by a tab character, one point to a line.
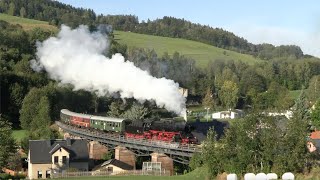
76	57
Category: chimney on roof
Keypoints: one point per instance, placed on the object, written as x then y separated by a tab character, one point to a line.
68	141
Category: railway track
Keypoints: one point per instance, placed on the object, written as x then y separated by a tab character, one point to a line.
178	152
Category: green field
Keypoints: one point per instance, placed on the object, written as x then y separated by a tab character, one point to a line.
198	174
136	178
194	175
27	24
19	134
294	94
201	52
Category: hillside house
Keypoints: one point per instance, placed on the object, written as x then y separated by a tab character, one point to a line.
288	114
47	157
231	114
313	143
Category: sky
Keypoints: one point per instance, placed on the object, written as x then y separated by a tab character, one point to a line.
279	22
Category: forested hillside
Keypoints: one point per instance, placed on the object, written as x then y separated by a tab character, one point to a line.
255	85
27	24
200	52
54	12
57	13
31	100
180	28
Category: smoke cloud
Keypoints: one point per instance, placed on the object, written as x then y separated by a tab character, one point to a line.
75	56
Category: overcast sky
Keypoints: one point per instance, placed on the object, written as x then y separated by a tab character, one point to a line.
271	21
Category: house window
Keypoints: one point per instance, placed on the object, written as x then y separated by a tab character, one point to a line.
39	174
56	159
110	169
64	159
48	174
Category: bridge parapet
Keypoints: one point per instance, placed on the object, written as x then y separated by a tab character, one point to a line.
140	144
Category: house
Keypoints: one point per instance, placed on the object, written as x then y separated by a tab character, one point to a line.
315	135
183	91
288	114
313	143
237	113
47	157
113	166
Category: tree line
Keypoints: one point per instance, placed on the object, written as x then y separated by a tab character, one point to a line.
32	101
234	84
228	84
54	12
57	13
181	28
258	143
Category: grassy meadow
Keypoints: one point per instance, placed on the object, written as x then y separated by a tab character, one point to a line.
27	24
202	53
19	134
294	94
197	174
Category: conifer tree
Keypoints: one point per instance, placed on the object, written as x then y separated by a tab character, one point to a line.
7	142
315	116
295	139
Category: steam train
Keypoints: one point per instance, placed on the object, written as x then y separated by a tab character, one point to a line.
167	130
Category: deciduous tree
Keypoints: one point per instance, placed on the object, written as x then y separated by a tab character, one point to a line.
40	125
12	8
208	100
136	112
313	90
229	94
115	109
23	12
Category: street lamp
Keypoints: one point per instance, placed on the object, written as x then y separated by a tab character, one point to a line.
207	108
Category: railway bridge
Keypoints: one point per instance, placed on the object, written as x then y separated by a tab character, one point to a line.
140	147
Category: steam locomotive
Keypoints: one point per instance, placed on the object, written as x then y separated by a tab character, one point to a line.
167	130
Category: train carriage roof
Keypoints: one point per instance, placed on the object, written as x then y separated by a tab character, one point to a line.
70	113
92	117
109	119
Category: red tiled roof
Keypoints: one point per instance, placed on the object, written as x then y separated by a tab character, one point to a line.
315	135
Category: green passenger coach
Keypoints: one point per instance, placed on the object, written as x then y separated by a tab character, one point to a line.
91	121
108	123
